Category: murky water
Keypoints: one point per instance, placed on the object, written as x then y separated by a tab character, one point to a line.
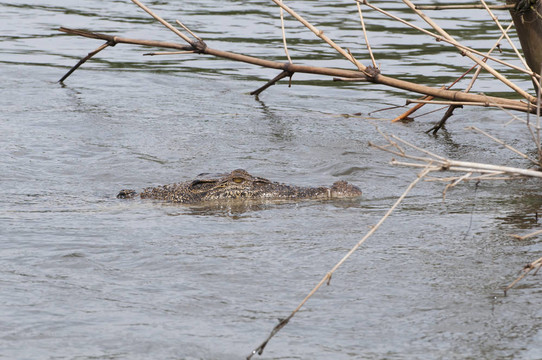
84	275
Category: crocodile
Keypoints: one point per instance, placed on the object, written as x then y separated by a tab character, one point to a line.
239	185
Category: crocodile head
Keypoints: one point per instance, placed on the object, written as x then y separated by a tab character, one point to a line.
236	185
342	189
240	185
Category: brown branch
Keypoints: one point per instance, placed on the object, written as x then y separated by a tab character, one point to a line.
333	72
122	40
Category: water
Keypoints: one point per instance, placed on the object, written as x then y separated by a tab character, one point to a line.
85	275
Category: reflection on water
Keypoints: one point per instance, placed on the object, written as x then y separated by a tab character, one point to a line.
85	275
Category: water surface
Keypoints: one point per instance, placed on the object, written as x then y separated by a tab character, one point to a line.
85	275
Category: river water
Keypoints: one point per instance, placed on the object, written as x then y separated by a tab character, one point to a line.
84	275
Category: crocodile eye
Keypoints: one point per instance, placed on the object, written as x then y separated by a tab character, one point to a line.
238	180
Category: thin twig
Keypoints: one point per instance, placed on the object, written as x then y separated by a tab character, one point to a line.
484	177
463	6
284	34
453	165
430	112
169	53
444	102
404	155
448	114
327	276
429	98
162	21
461	47
513	149
433	155
523	237
447	167
535	265
188	30
365	35
454	183
413	109
321	35
444	39
479	69
349	79
460	103
390	141
469	53
505	33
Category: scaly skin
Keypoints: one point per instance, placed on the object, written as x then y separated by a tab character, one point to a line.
240	185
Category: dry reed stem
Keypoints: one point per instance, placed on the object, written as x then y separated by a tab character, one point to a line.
469	53
444	39
444	102
162	21
328	275
523	237
446	167
491	176
169	53
386	148
517	118
188	30
451	7
460	103
535	265
412	110
497	168
349	79
321	35
509	147
431	111
429	98
284	35
454	183
433	155
391	142
365	36
479	69
505	33
441	163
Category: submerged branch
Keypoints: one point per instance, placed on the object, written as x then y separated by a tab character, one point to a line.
271	82
83	60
